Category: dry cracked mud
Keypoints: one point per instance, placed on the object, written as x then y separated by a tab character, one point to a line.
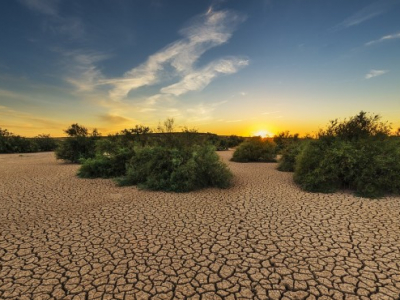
68	238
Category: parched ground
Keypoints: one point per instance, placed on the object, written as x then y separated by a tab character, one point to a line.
68	238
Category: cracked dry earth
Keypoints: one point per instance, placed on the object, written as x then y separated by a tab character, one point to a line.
68	238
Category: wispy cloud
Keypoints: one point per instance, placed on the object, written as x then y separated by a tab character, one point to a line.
82	70
46	7
6	94
367	13
199	79
375	73
114	119
384	38
202	111
270	112
205	32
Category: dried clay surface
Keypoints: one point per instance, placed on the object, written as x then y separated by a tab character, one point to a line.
68	238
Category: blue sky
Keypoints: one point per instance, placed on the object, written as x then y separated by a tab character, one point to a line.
229	67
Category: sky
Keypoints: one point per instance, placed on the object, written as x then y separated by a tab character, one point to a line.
226	67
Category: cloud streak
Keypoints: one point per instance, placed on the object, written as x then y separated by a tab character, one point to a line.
81	66
197	80
384	38
367	13
114	119
375	73
205	32
57	24
45	7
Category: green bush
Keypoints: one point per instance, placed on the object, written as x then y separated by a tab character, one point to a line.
255	150
79	144
355	154
379	169
177	170
103	166
11	143
284	139
234	140
219	142
361	126
317	168
287	161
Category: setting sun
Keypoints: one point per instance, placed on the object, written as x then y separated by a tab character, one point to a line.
263	133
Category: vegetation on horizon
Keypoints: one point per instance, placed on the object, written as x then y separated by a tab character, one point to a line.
11	143
361	153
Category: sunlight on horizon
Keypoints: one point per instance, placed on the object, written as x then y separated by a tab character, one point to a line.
263	134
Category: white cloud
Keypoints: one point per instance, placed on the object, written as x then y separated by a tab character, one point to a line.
205	32
384	38
375	73
199	79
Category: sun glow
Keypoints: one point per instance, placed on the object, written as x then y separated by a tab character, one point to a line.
263	133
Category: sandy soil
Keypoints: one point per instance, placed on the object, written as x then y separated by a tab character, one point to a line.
68	238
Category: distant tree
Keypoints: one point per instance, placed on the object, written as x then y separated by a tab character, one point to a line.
137	130
138	133
167	126
77	130
5	133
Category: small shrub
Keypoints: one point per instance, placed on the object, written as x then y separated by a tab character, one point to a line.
255	150
45	143
79	145
177	170
103	166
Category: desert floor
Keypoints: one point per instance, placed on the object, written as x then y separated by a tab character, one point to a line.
68	238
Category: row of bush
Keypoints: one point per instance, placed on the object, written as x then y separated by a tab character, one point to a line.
11	143
166	161
358	154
